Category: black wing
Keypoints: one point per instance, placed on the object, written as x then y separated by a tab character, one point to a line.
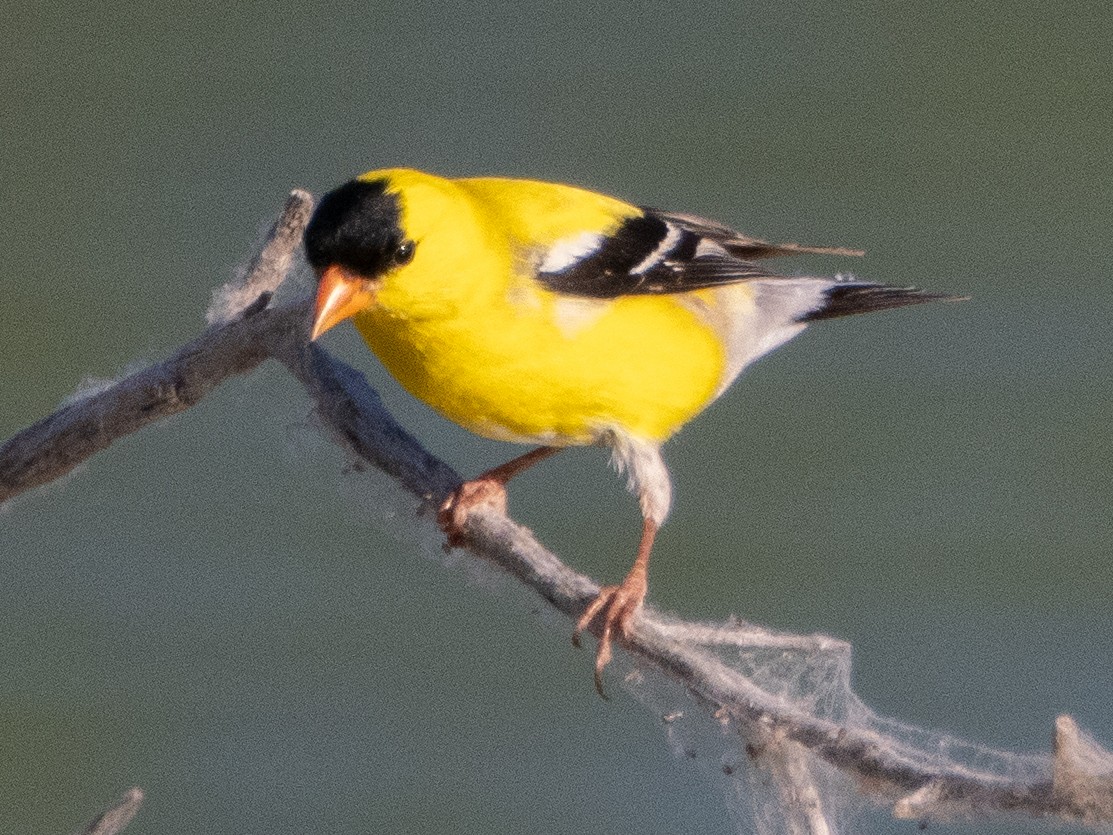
664	252
661	252
743	246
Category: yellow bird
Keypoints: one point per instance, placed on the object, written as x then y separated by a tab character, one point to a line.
546	314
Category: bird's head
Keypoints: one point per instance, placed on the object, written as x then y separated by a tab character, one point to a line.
353	242
406	243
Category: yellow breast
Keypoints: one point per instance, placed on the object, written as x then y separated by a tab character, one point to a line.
556	371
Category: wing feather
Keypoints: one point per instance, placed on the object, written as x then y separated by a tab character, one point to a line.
659	253
649	254
743	246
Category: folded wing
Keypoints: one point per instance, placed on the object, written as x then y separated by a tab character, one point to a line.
662	252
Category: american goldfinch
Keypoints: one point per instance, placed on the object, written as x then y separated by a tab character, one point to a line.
546	314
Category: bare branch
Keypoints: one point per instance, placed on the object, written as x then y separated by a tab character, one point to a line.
270	265
115	818
1082	773
59	442
354	414
788	764
1077	785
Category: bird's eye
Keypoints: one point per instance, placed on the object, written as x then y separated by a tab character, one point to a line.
404	253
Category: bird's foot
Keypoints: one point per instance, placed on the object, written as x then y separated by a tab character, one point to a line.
616	607
453	513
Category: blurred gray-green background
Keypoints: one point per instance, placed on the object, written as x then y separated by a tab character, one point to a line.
212	611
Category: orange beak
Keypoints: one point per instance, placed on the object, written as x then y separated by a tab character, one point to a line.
340	294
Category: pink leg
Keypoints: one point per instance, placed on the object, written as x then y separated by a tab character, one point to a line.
618	604
488	488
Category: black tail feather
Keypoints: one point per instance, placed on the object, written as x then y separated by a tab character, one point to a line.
852	297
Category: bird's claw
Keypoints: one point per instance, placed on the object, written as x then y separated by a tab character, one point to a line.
453	512
617	605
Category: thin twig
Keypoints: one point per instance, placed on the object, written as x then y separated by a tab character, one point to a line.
788	765
115	818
